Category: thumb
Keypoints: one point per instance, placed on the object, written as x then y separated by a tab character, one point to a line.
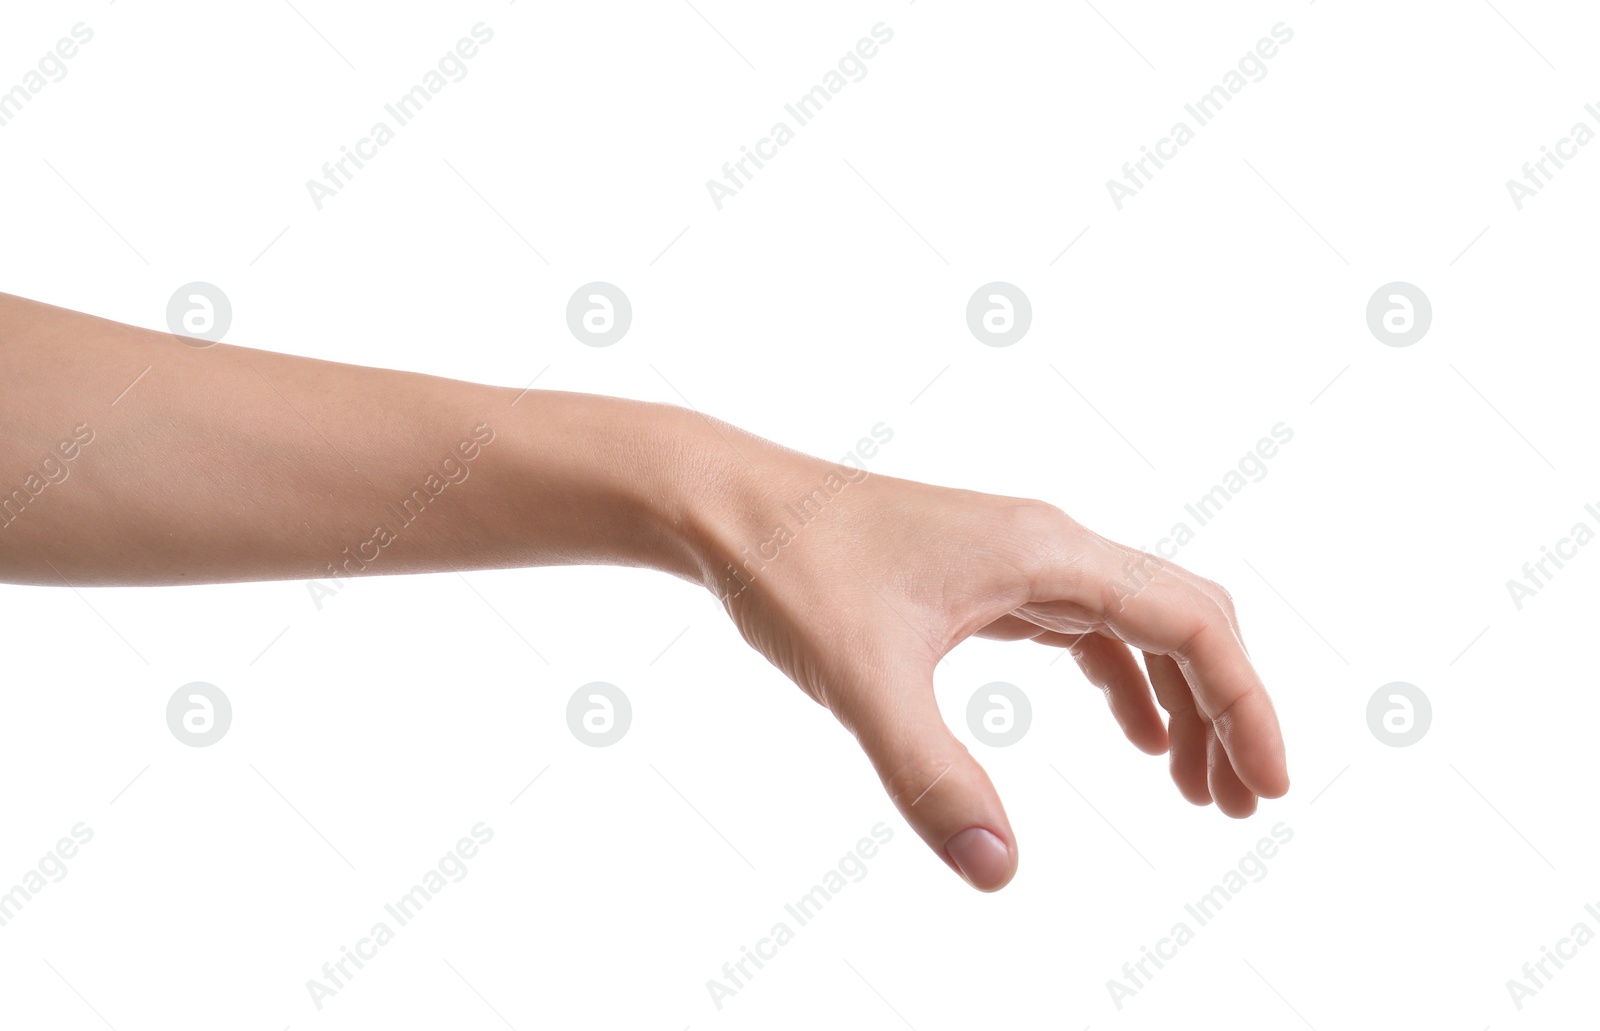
933	780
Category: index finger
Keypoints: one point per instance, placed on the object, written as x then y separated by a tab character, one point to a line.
1155	607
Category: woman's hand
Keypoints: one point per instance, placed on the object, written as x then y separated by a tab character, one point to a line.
855	586
225	463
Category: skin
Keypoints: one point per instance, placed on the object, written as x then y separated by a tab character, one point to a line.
224	464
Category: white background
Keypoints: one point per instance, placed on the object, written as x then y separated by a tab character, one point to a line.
1228	296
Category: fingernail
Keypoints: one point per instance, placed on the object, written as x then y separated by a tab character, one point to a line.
982	858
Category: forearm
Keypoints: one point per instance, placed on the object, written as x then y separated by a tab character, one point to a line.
129	457
228	464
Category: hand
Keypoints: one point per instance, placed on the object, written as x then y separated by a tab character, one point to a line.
858	603
854	585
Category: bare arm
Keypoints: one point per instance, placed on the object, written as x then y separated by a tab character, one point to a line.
225	463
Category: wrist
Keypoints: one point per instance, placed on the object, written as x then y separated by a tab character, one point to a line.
712	495
692	487
746	501
607	481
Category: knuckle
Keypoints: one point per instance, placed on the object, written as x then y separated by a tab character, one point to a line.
1194	628
912	780
1031	519
1115	596
1215	599
1028	536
